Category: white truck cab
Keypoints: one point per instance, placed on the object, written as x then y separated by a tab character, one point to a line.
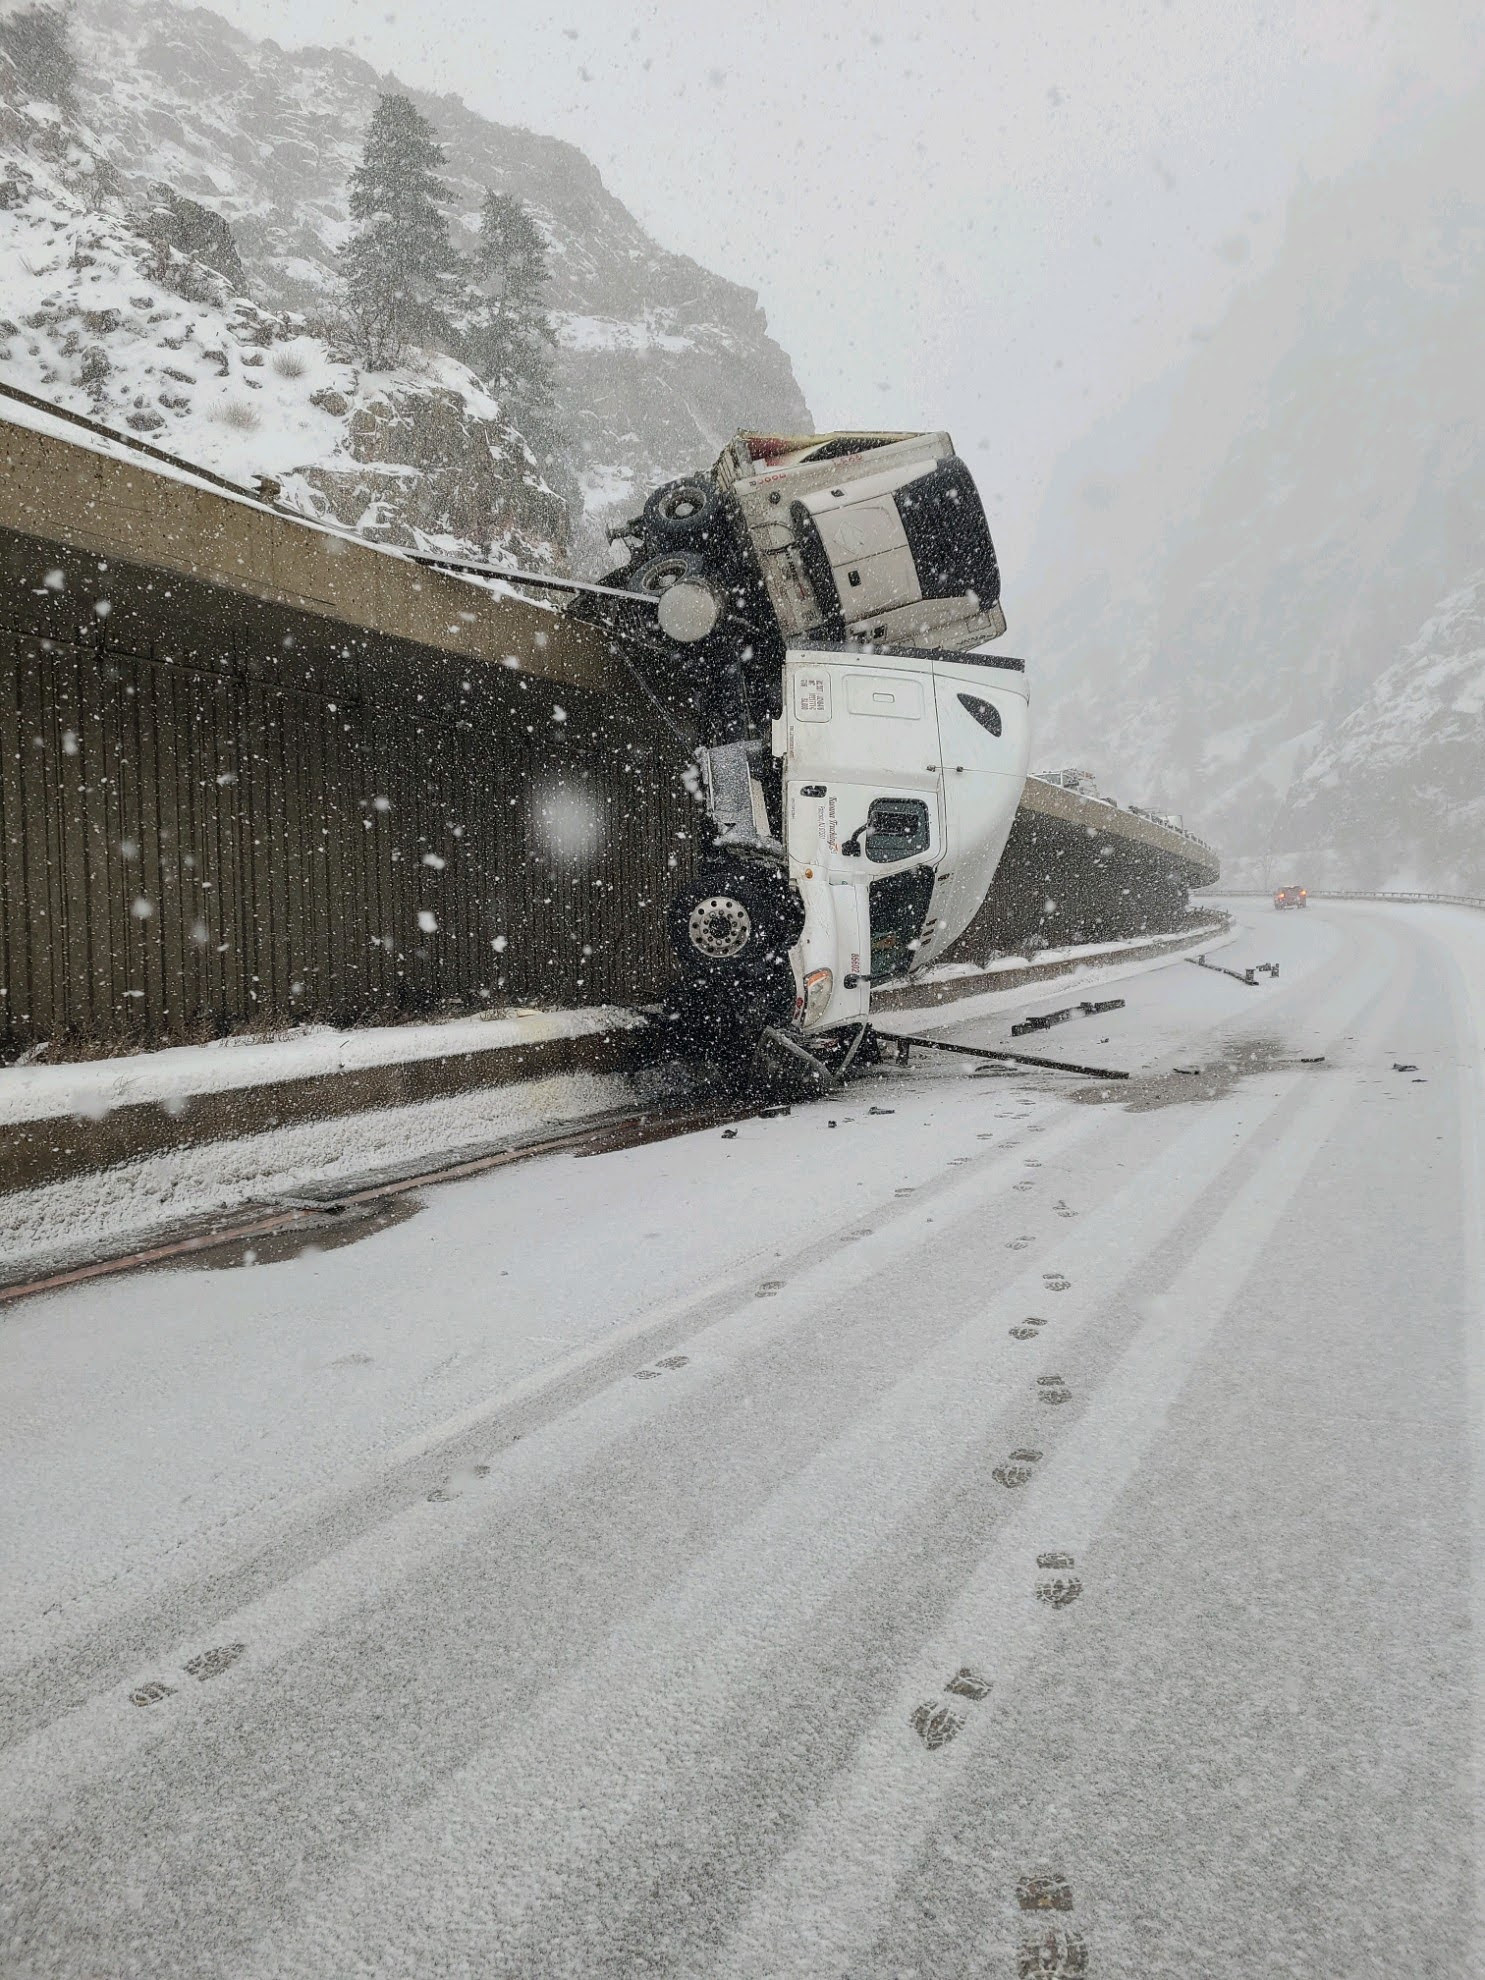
901	771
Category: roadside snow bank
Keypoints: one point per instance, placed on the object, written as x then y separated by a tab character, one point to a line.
137	1200
93	1088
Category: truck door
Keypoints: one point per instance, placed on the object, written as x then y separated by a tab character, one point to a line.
866	796
862	732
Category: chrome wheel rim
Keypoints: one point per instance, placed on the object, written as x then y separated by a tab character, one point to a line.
719	927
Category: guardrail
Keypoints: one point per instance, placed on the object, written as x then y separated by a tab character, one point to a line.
1337	894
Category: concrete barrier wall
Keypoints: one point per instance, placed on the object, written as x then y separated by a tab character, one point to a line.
253	773
1078	870
218	811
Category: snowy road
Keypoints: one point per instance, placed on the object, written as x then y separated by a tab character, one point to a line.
761	1555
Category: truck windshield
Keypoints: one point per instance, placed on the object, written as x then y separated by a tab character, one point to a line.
898	904
896	828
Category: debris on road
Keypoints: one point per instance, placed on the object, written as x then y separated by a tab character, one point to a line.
905	1042
1249	976
1049	1018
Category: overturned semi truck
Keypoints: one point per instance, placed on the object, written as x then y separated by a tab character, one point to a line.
823	605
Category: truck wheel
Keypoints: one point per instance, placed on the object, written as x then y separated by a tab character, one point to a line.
660	573
682	511
733	920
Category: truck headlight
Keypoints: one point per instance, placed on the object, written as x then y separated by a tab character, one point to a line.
819	986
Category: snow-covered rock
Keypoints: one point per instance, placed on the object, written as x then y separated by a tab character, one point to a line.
125	304
1396	797
659	360
1227	571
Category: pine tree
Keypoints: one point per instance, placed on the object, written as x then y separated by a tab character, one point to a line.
37	39
510	338
399	266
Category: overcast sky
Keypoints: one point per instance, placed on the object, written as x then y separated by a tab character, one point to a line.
1000	218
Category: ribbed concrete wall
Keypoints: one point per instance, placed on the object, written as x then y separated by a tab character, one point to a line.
253	773
217	812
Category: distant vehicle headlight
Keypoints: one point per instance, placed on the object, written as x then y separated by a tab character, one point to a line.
819	986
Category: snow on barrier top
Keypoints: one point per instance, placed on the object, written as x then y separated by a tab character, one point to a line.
1198	862
1342	894
71	481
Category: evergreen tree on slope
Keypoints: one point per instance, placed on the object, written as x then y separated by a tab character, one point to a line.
37	39
510	338
400	267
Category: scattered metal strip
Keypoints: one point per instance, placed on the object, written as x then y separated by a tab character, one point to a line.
1247	976
1049	1018
905	1041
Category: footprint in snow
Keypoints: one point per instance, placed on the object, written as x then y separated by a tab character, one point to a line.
1028	1328
1017	1469
935	1724
1061	1593
769	1289
1044	1890
1062	1209
673	1361
151	1693
1052	1389
211	1663
1055	1282
1052	1955
967	1683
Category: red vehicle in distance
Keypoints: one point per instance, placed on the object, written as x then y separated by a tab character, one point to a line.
1291	897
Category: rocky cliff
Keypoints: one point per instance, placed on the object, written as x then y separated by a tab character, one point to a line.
167	257
1228	571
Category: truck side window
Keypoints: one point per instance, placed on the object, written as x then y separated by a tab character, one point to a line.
896	828
984	712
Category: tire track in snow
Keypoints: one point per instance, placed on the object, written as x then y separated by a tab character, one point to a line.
831	1893
569	1786
46	1748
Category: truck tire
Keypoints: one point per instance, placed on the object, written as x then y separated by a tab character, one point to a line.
660	573
682	512
734	920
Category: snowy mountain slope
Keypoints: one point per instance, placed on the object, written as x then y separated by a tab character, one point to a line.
1396	796
660	360
1224	573
151	339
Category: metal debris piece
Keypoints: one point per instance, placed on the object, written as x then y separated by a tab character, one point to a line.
1049	1018
982	1052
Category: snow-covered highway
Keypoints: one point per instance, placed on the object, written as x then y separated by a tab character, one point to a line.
988	1523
